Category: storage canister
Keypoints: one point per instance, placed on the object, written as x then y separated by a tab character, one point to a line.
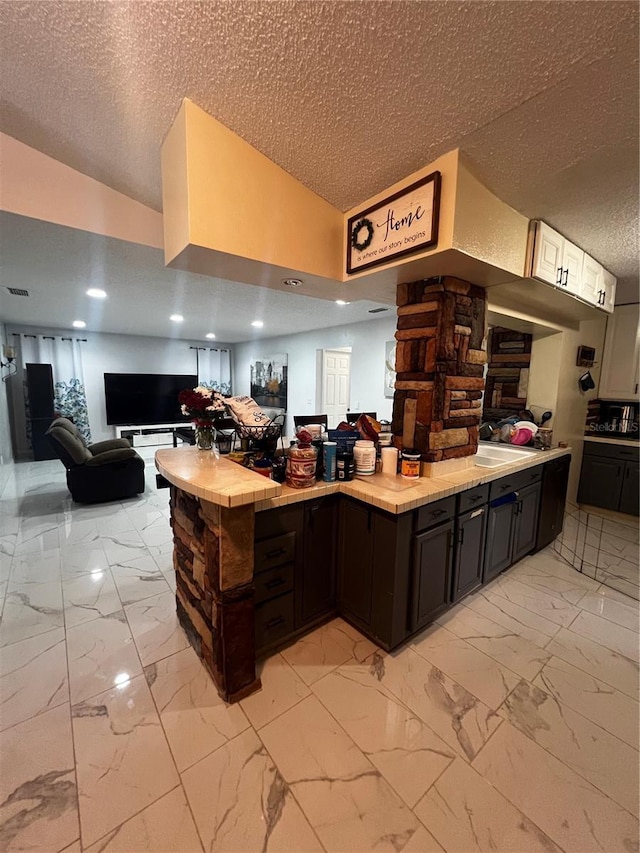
410	464
389	460
345	466
301	466
329	452
364	454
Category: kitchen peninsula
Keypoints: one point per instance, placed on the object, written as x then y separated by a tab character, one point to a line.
258	563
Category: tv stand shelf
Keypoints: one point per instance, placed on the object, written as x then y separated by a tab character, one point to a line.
150	435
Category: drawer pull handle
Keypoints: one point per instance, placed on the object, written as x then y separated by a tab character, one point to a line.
274	583
273	623
505	487
436	513
278	552
475	498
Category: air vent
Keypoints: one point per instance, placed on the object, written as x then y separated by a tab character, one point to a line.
16	291
377	310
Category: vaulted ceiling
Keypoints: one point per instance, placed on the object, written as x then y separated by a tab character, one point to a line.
348	97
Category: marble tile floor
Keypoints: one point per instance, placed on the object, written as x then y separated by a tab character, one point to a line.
510	725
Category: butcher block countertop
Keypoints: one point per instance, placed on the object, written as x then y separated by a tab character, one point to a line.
227	484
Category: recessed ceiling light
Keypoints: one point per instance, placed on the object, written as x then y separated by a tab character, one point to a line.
97	293
79	324
341	302
176	318
258	324
210	335
292	282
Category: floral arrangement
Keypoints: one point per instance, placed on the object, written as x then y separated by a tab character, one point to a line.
203	405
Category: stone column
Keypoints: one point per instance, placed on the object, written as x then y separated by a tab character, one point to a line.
440	355
213	560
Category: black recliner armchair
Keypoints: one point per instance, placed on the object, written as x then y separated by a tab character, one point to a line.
106	471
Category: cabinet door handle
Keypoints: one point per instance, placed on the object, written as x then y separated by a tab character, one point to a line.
566	278
619	471
559	281
461	536
276	582
273	623
278	552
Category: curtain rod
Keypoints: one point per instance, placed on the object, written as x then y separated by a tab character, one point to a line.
211	349
48	337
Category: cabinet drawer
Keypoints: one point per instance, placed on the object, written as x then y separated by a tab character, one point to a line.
473	498
516	481
612	451
276	551
435	513
274	620
273	582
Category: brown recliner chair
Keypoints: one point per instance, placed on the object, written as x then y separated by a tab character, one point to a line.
106	471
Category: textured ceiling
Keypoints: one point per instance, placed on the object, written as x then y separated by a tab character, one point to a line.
348	96
61	263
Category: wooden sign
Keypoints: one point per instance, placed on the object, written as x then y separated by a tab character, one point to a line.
403	223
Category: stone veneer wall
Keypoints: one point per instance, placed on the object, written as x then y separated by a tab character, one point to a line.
213	561
439	367
507	383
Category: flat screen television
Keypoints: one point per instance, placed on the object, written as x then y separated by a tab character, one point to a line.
145	398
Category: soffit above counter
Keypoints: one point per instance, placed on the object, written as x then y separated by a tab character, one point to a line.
231	213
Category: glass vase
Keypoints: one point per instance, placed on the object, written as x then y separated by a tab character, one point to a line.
205	436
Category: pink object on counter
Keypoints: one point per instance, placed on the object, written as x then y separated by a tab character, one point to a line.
522	436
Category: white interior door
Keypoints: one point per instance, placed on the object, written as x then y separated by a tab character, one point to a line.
336	371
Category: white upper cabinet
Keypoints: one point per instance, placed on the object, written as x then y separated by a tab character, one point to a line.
547	254
592	280
572	266
609	291
557	261
619	376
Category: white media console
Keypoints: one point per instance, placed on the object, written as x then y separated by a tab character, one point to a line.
150	434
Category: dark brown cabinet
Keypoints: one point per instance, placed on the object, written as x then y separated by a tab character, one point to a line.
609	476
356	560
374	563
469	556
432	560
512	523
497	555
295	568
525	525
601	482
391	575
316	589
630	494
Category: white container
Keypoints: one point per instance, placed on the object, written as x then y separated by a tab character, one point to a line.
364	455
389	457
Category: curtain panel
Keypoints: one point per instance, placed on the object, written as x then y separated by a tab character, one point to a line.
214	368
64	354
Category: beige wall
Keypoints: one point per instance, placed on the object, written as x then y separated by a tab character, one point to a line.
37	186
571	405
553	384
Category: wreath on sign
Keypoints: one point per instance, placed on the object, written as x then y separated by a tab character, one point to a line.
358	244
